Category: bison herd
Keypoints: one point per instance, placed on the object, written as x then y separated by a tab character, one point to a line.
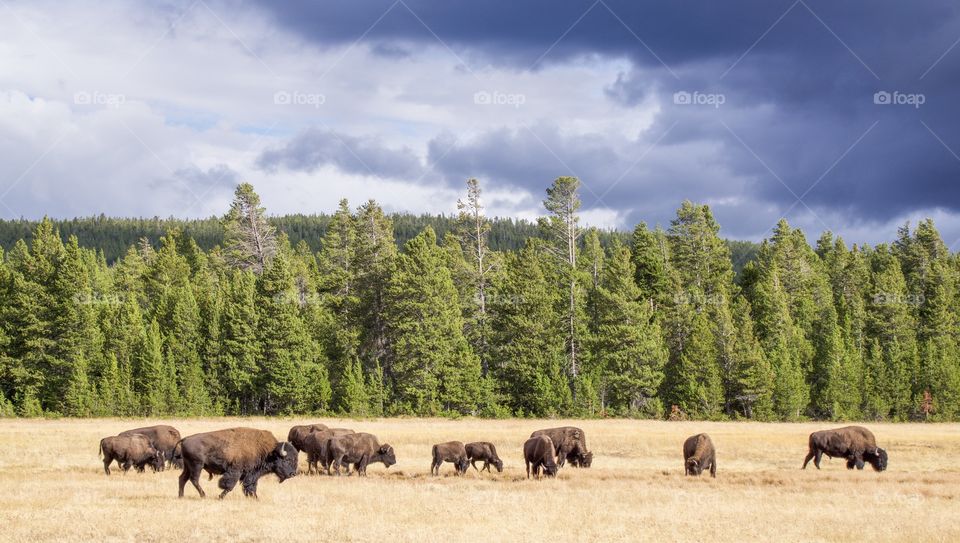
244	455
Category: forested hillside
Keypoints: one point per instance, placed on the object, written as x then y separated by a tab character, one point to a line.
467	316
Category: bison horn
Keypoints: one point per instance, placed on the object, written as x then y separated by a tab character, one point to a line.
283	450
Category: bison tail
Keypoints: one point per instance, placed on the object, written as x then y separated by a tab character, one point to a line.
100	449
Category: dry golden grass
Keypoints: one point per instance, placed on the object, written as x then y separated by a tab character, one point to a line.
54	489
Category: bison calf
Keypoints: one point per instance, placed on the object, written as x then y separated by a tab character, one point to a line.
854	443
699	454
569	443
359	449
315	445
538	453
451	451
130	450
483	451
163	438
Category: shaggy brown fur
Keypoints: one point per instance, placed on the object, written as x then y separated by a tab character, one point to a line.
130	450
854	443
451	451
570	443
297	434
698	455
538	452
359	449
484	451
163	438
239	454
315	445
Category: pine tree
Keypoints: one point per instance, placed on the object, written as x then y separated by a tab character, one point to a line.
249	238
562	228
353	397
473	229
239	348
753	377
375	257
434	368
626	343
528	351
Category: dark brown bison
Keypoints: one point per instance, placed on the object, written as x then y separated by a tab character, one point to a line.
163	438
538	452
570	443
131	450
699	454
484	451
854	443
359	449
315	445
237	454
451	451
297	434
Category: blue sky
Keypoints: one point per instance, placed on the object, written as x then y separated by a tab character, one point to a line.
837	115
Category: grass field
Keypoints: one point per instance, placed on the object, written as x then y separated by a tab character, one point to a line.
54	489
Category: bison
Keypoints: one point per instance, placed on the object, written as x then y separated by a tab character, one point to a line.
538	452
451	451
484	451
237	454
315	445
570	443
359	449
130	450
854	443
698	455
297	434
163	438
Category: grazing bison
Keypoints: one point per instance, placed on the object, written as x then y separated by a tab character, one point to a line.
699	454
297	434
163	438
538	452
315	445
359	449
854	443
238	454
132	450
451	451
484	451
570	443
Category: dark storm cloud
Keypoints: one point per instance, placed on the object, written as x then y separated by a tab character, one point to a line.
799	78
316	147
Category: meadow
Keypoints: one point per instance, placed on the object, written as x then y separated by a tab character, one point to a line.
54	488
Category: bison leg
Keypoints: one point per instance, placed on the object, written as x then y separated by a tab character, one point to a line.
228	482
486	465
191	473
528	468
107	460
434	466
806	460
361	466
816	458
126	466
250	485
713	468
474	464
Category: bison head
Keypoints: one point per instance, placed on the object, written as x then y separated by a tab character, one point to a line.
387	456
878	459
157	460
550	470
585	460
462	465
694	467
282	461
497	463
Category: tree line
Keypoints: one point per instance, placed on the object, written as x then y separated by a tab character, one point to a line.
570	322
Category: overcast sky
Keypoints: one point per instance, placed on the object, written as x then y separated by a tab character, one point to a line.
840	116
